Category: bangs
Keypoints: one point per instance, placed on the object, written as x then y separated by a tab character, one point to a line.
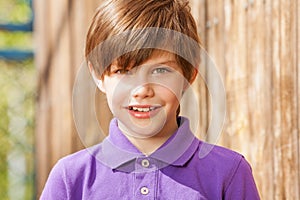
133	59
133	47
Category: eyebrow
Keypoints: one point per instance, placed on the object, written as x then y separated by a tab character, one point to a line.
167	61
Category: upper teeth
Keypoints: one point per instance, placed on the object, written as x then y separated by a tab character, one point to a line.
142	109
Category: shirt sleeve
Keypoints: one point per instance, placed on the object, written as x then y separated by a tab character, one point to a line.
242	185
55	187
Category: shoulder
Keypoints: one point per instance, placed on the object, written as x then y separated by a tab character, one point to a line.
228	170
70	173
217	154
77	161
77	165
221	161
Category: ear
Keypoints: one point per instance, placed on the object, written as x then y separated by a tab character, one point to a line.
194	75
98	82
192	79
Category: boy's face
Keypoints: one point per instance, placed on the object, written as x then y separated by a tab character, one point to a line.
144	99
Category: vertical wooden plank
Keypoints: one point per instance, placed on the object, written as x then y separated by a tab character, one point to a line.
41	62
288	85
266	178
215	34
259	95
216	49
198	9
276	118
78	27
78	22
60	81
237	125
298	77
298	85
285	102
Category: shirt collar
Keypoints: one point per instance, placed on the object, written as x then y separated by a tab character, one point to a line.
117	150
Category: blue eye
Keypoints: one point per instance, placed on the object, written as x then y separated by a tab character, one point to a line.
160	70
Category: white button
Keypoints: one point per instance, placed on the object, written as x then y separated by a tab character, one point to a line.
145	163
144	190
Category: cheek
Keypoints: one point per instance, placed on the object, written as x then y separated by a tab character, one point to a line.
171	96
172	87
117	95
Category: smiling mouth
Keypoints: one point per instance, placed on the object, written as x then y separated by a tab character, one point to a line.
142	109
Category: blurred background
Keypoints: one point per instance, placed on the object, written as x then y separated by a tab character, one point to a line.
18	81
254	44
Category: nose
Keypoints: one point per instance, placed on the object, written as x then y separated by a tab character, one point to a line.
143	91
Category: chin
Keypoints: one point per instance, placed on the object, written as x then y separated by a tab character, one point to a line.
145	128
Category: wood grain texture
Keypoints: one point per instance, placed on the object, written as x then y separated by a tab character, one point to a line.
42	148
237	124
199	87
285	145
259	94
215	45
298	85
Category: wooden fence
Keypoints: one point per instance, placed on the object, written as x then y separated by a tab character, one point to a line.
255	45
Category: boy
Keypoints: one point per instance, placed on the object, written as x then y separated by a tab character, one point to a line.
142	55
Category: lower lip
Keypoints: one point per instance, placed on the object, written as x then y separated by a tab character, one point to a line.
144	115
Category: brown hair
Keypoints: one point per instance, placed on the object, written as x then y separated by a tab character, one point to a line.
115	17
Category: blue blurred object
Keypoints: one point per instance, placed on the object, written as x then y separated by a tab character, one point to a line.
15	54
28	27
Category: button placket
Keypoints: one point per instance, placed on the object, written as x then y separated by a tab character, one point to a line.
145	178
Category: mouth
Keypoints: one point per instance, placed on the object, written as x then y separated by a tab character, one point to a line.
142	108
143	111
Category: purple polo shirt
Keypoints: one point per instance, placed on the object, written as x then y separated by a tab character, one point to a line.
183	168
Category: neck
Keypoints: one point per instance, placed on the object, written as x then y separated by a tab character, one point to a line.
148	145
